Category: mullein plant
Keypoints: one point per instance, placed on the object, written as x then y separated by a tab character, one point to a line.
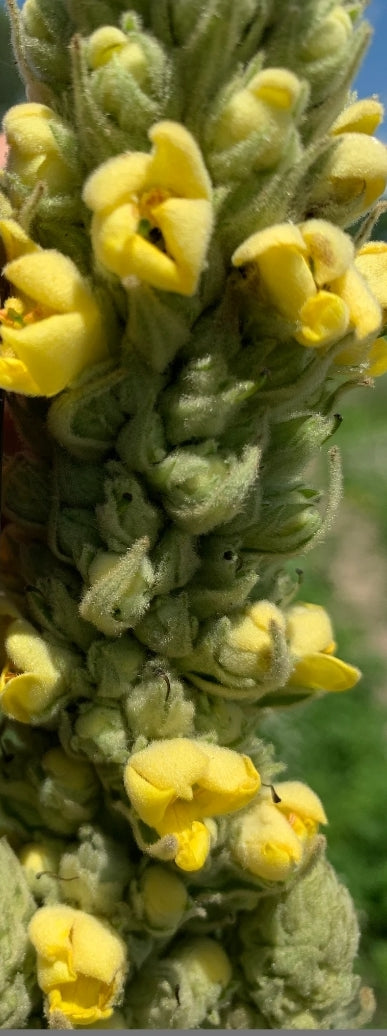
189	289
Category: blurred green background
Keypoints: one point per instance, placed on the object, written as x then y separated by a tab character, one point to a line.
337	744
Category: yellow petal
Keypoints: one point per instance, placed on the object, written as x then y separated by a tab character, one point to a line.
14	377
52	280
309	628
371	261
229	783
265	843
364	309
330	250
149	801
277	87
49	930
299	798
321	672
377	358
176	163
363	116
27	127
194	846
116	182
186	226
55	350
16	242
282	235
112	237
324	319
359	169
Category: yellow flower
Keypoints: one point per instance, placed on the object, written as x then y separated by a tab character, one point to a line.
307	273
266	104
152	213
311	643
81	963
36	673
361	117
271	838
176	784
34	153
51	327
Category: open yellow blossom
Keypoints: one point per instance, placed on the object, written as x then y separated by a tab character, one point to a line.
311	643
81	963
34	153
51	327
270	839
307	273
152	213
267	105
174	785
35	675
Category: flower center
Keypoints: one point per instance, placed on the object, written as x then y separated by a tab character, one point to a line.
17	315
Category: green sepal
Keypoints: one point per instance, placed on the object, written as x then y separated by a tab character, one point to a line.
174	559
97	731
115	665
26	491
203	487
298	954
156	329
159	705
94	872
120	590
85	420
168	628
19	994
126	513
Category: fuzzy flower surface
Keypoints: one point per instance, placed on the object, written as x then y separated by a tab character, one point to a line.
272	836
308	274
175	785
311	642
152	212
34	154
81	963
50	327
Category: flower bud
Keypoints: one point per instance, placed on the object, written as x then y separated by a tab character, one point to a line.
38	142
164	898
242	657
69	793
256	125
120	589
109	42
199	971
